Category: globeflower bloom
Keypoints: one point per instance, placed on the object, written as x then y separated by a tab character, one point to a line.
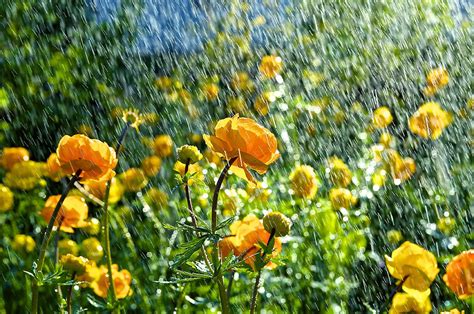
6	199
437	78
251	144
429	121
74	264
12	155
95	158
411	303
25	175
414	264
122	281
54	170
244	242
339	172
151	165
73	212
23	243
162	145
133	179
459	275
270	66
341	198
382	117
97	188
189	153
304	181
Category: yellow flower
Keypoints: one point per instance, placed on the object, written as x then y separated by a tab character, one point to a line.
194	168
382	117
164	83
241	82
341	198
95	158
91	274
25	175
54	170
429	121
386	140
446	224
339	172
133	179
12	155
156	198
437	78
414	263
122	281
403	169
452	311
394	236
210	91
189	153
97	188
277	221
151	165
378	179
73	212
132	117
304	181
237	104
270	66
23	243
251	144
92	249
92	227
262	103
162	145
411	303
74	264
459	275
68	246
6	199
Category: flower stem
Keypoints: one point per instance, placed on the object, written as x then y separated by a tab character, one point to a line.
253	303
56	258
105	224
46	238
217	270
69	296
193	215
392	293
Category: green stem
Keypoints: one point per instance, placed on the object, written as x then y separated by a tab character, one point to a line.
45	241
393	292
69	296
217	270
105	224
56	258
253	303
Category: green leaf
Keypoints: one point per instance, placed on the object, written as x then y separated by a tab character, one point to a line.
188	249
225	223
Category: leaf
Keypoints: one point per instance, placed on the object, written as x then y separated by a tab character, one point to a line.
96	303
192	228
189	249
193	274
225	223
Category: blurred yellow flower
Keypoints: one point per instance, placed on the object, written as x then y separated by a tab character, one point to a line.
73	212
25	175
95	158
68	246
23	243
97	188
262	103
162	145
394	236
151	165
74	264
241	82
133	179
12	155
54	170
164	83
452	311
253	145
414	264
270	66
446	224
210	91
382	117
189	153
156	198
386	140
278	222
132	117
92	249
122	281
339	173
459	275
437	78
403	169
429	121
341	198
238	104
92	227
411	303
304	181
6	199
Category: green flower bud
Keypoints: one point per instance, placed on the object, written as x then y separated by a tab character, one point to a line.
189	153
277	221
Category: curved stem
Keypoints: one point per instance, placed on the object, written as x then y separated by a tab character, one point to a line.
253	303
69	296
215	254
46	238
393	292
56	257
105	224
193	215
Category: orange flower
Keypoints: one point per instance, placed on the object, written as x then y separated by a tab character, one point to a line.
55	172
12	155
97	188
253	145
96	159
270	66
122	281
74	212
429	121
247	234
460	274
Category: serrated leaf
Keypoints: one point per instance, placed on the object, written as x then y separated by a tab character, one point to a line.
225	223
188	249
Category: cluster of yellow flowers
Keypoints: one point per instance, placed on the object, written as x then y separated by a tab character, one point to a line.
416	268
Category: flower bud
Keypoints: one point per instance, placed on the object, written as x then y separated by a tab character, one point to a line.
189	153
277	221
74	264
